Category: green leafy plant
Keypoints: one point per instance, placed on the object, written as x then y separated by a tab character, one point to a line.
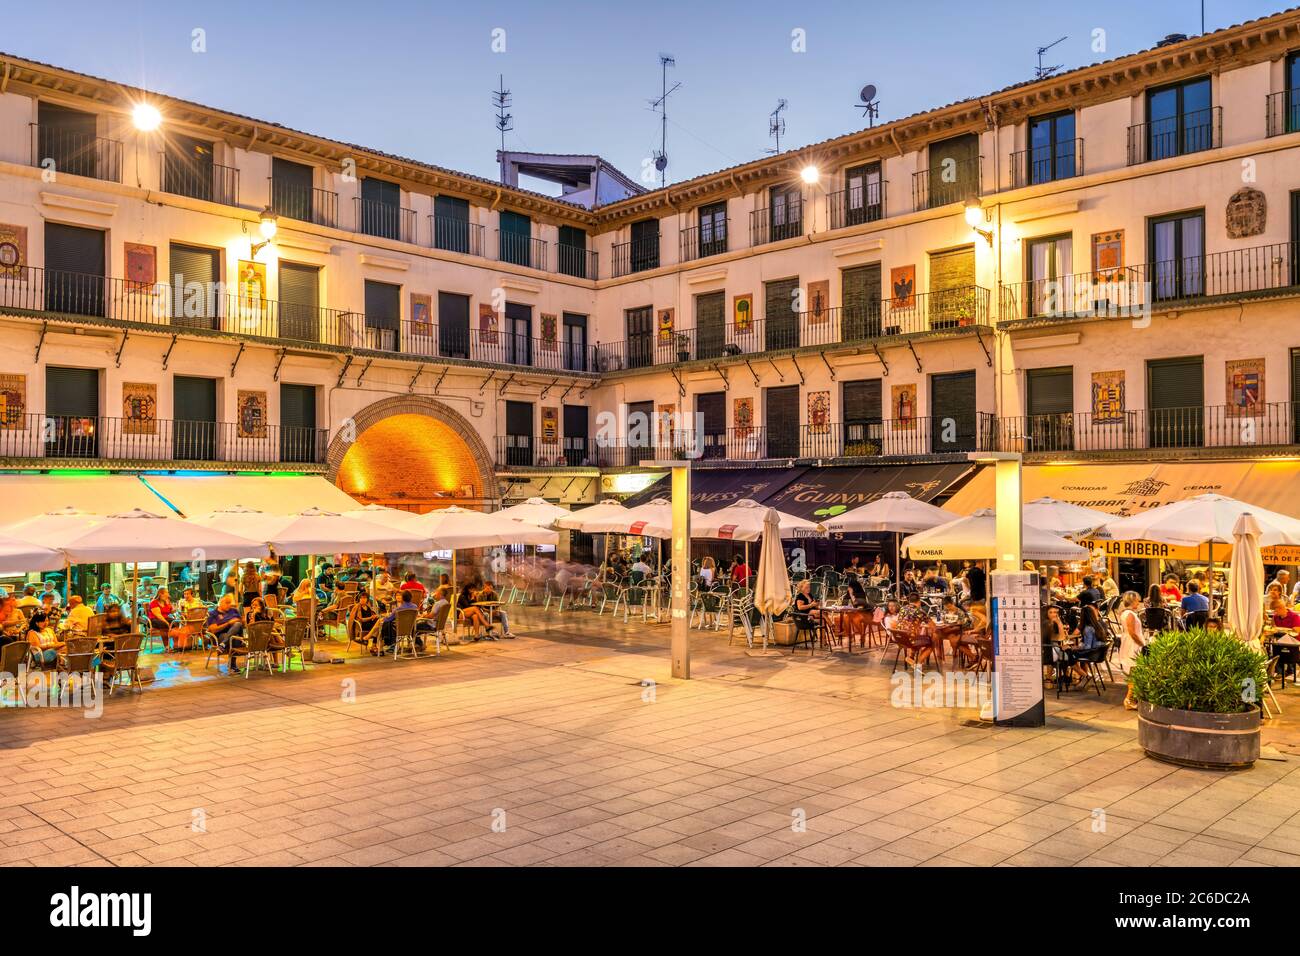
1206	671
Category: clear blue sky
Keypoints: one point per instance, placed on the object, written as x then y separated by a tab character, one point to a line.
415	78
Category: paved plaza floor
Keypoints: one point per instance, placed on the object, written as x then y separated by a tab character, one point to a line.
572	745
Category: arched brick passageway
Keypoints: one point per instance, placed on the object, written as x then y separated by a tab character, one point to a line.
411	452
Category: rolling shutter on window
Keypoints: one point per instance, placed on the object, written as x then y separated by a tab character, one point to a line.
782	322
74	270
298	438
300	302
72	391
1050	391
860	293
782	421
1295	375
862	401
1176	383
710	324
952	410
194	275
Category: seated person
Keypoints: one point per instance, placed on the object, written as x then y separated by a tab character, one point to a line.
44	641
106	599
159	611
388	627
639	566
385	588
1170	591
955	614
1090	594
805	603
305	591
50	609
472	616
1109	588
913	618
363	619
1156	616
857	592
148	590
225	626
257	613
890	620
854	566
739	571
909	585
29	598
1284	616
182	634
410	583
1194	601
116	623
78	615
489	593
54	595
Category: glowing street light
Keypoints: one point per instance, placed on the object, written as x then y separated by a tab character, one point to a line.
146	117
811	175
977	218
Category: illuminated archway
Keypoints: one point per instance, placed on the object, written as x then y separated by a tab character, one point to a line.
413	453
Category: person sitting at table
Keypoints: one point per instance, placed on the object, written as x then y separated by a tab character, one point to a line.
1055	633
159	615
13	622
29	598
230	583
1054	582
78	615
116	623
55	596
363	621
805	603
891	615
305	591
1284	615
641	566
225	625
1283	578
1091	634
908	586
44	641
1109	588
182	633
1194	601
325	582
488	592
739	571
1132	640
708	571
409	583
50	608
913	618
878	569
1170	591
954	613
857	592
854	566
1090	594
471	615
256	613
1156	615
385	588
148	590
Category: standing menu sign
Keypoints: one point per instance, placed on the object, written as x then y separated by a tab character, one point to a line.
1017	649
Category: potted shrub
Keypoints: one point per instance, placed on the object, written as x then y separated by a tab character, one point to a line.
1197	694
683	347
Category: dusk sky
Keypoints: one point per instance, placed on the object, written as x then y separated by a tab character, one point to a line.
416	78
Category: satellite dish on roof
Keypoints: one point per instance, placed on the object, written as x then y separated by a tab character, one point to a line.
868	93
870	106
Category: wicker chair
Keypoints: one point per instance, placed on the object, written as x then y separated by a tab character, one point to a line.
404	646
77	659
257	649
124	660
297	632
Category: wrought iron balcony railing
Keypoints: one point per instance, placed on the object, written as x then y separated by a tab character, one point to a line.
304	203
36	436
1264	425
772	224
956	181
1255	271
76	153
1191	132
576	261
384	220
854	207
493	346
456	235
522	250
1045	164
636	255
536	451
209	182
696	243
1282	112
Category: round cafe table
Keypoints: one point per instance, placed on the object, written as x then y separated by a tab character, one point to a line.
849	620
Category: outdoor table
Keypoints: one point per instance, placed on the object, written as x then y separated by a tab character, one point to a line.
846	617
489	607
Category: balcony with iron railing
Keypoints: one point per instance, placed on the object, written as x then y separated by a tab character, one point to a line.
1045	164
207	181
76	153
536	451
430	341
696	242
951	181
576	261
1282	112
33	436
922	313
304	203
1221	277
456	235
384	220
855	207
1190	132
521	250
636	255
1217	429
775	223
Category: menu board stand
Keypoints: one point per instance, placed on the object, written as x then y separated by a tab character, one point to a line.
1016	617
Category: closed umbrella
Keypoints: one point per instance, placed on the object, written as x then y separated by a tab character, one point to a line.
772	589
896	511
1063	517
975	537
1246	581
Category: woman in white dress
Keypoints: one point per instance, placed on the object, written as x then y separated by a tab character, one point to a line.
1132	639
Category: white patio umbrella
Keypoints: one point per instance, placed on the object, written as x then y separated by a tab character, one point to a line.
578	520
534	511
896	511
18	556
772	588
56	525
745	520
654	519
975	537
315	531
1063	517
1203	520
1246	581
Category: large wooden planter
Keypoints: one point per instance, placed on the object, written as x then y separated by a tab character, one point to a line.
1194	739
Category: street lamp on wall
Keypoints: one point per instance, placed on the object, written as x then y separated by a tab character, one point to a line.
268	228
977	217
146	117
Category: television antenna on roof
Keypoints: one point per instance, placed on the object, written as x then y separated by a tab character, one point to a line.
502	100
1043	72
661	155
870	106
776	124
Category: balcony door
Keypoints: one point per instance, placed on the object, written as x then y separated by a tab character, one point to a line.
188	167
862	194
711	410
640	336
639	430
72	412
1176	402
381	208
383	315
780	320
519	334
1295	396
194	418
299	302
194	277
952	412
1049	399
860	297
710	324
516	238
713	229
952	289
645	245
1051	153
453	325
862	417
291	189
68	137
575	342
451	224
576	436
785	213
519	434
74	270
953	174
781	421
1180	119
1048	263
571	252
1177	255
297	423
